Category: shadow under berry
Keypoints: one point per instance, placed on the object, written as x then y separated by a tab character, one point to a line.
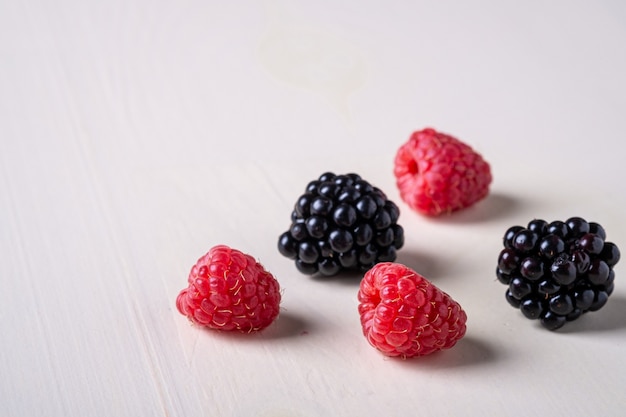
609	318
496	206
469	351
287	324
424	264
351	277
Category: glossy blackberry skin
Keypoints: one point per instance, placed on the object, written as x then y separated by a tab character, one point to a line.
555	272
341	222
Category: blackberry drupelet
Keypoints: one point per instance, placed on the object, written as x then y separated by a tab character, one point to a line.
341	222
557	271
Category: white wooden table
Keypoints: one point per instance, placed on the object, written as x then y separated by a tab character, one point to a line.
135	135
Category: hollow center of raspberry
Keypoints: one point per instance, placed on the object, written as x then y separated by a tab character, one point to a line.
412	167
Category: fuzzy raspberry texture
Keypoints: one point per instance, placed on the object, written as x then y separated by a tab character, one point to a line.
403	314
228	290
437	173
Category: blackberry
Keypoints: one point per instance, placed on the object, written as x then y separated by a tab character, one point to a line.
341	222
555	272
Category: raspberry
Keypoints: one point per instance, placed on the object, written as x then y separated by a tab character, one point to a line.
341	222
557	271
437	173
403	314
229	290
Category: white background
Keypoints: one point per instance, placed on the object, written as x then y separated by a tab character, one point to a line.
135	135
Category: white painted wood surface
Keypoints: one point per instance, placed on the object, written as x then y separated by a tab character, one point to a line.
135	135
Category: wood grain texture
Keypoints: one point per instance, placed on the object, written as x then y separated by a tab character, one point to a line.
135	135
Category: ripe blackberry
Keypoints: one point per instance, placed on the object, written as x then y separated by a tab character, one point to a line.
557	271
341	222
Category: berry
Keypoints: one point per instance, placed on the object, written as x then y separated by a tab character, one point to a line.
507	240
555	272
437	173
531	268
551	245
341	222
525	241
403	314
229	290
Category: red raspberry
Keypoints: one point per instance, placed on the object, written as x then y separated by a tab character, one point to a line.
437	173
403	314
229	290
